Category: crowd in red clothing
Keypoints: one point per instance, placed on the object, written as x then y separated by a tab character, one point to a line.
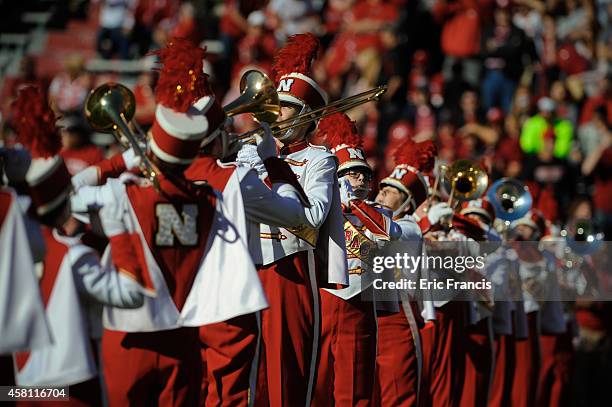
522	86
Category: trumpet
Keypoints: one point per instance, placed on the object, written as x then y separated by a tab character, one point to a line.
259	97
464	180
108	109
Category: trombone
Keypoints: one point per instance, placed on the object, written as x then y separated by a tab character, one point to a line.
259	97
108	109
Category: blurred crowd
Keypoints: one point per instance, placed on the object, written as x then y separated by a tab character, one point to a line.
521	86
524	87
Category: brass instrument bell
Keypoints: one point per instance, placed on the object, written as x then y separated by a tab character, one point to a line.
510	198
106	100
465	180
258	97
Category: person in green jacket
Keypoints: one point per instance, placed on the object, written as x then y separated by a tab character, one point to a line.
534	129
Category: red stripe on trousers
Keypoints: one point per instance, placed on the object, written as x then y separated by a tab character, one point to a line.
503	376
228	349
347	355
287	333
478	365
555	382
152	368
525	384
396	362
445	353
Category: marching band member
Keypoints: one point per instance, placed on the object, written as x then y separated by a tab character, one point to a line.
404	190
280	205
528	230
71	272
444	349
478	339
508	325
296	260
28	328
348	333
183	234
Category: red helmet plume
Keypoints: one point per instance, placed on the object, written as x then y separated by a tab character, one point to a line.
34	123
182	81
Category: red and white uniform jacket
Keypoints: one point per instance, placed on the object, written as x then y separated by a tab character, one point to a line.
365	226
190	245
277	205
23	324
464	232
502	270
410	234
540	289
72	275
315	168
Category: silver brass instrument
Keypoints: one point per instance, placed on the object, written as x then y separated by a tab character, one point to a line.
109	108
510	198
582	237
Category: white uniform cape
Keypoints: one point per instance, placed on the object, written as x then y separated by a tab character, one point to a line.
23	324
226	284
70	359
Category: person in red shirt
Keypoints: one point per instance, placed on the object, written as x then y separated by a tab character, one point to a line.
145	99
78	152
599	165
367	19
257	46
604	97
461	28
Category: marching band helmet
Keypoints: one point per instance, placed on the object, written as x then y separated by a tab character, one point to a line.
47	177
412	161
535	220
340	135
479	206
292	74
188	116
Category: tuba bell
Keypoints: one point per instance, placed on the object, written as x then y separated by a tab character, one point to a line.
510	198
465	180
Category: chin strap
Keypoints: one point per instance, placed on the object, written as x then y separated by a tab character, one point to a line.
289	135
399	211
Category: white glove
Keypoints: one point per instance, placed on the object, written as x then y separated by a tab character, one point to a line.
439	211
346	191
266	144
130	159
248	155
87	177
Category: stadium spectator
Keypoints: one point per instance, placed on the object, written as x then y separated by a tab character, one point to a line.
545	128
599	165
77	151
116	23
461	22
69	89
503	49
145	99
